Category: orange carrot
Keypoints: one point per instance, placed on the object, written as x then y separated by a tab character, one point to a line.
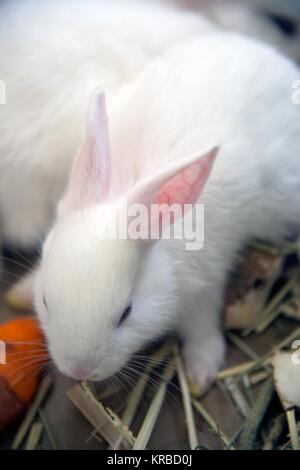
26	353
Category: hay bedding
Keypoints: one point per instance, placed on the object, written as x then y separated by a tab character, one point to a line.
254	403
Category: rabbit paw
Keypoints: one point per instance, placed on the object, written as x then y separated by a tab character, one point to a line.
203	360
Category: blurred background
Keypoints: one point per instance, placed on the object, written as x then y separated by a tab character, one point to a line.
276	22
273	21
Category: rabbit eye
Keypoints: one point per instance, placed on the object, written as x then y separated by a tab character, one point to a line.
125	314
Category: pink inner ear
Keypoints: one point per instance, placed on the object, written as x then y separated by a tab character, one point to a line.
176	185
99	161
186	186
90	178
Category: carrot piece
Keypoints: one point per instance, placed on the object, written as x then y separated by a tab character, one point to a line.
26	353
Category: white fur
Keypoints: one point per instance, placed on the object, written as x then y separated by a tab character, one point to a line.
220	89
53	54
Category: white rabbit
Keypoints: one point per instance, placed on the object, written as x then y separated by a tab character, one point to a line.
101	299
53	54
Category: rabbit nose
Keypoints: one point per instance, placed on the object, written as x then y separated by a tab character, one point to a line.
80	370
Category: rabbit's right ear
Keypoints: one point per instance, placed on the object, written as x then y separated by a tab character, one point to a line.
90	178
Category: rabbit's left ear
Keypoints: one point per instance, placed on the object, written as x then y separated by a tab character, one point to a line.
90	178
179	184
